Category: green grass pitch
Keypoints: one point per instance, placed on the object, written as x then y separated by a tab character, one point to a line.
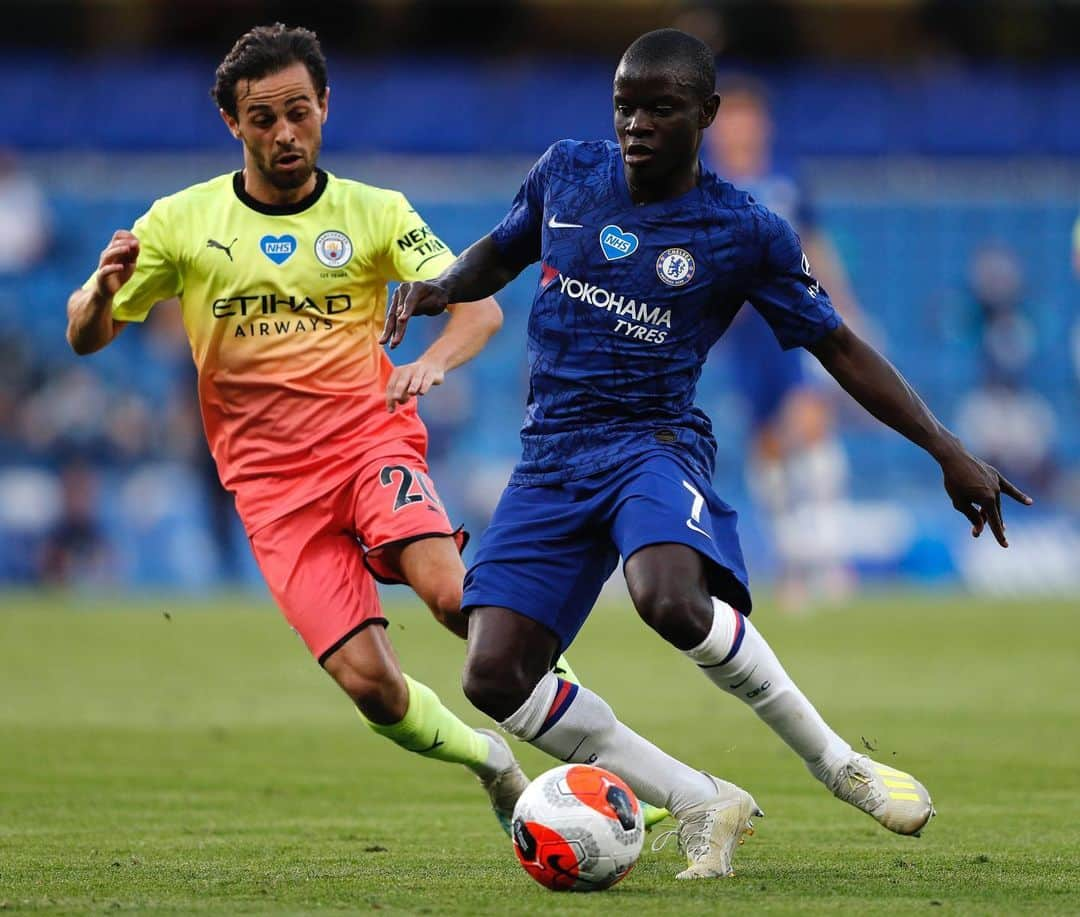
165	756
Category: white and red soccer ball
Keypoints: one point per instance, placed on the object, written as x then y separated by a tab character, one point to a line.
578	828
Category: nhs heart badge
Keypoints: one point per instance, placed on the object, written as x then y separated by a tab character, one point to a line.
278	248
617	244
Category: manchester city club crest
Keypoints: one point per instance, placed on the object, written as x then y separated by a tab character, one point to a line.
333	248
675	266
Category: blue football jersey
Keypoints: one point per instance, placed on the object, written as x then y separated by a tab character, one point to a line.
629	302
784	196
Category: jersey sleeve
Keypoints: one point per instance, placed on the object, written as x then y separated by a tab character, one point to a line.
156	276
413	251
518	234
784	291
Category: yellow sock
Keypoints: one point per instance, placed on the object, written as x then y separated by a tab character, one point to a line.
430	730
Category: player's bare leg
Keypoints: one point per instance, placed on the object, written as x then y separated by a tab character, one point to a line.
411	715
669	588
508	675
433	569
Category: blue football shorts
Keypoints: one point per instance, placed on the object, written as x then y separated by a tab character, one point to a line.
550	548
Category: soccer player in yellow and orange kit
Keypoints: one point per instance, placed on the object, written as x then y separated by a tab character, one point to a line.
282	271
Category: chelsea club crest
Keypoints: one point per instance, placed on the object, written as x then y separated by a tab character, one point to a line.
675	266
333	248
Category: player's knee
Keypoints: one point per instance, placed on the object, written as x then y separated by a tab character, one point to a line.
454	621
680	616
495	686
445	605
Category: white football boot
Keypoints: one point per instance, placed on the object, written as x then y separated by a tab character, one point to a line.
506	786
894	798
709	833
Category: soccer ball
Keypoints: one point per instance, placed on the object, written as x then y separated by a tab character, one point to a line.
578	828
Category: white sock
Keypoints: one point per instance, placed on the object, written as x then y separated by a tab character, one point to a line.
575	725
736	658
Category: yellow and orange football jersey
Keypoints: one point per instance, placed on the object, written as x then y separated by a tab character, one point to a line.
283	306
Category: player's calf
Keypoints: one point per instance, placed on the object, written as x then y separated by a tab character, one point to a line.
736	658
365	668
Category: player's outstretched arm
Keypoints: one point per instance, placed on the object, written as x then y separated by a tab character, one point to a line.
974	486
90	322
478	273
470	327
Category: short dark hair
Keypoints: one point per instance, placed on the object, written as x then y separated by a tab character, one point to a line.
688	59
264	50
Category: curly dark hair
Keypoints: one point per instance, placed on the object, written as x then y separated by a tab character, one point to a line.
264	50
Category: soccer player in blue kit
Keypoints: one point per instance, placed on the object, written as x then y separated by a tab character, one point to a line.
645	259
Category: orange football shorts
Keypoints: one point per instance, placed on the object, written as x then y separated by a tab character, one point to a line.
321	560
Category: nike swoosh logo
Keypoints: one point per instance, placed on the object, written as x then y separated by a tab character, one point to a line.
744	681
575	751
555	224
690	524
695	511
431	747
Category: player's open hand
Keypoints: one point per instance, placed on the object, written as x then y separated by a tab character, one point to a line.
409	299
976	488
117	263
412	380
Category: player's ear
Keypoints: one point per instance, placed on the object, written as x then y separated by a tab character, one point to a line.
230	122
324	103
708	110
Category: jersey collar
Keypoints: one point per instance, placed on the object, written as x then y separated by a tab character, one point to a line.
279	210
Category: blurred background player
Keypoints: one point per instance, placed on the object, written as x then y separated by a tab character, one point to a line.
281	271
1006	418
1074	331
1076	247
797	469
25	221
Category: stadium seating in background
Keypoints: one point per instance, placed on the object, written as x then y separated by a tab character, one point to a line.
127	413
